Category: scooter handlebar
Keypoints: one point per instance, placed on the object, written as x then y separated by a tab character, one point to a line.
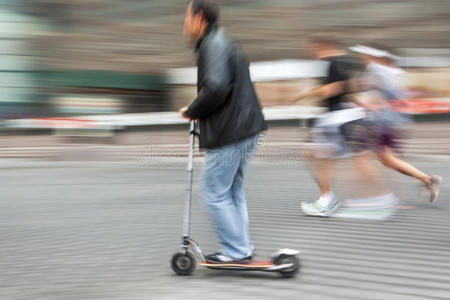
192	127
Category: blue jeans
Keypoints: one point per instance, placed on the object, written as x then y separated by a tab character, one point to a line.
223	194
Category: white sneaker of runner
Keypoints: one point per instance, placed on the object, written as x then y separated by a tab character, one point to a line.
326	200
325	206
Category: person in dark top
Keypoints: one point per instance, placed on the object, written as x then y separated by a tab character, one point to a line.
334	134
329	130
341	68
231	120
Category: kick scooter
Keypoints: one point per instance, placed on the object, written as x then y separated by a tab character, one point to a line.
285	261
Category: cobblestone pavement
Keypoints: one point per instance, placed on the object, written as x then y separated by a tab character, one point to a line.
106	230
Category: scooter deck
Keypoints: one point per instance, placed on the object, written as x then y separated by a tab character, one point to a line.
252	264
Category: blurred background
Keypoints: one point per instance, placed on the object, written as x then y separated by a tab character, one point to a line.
85	67
92	56
93	151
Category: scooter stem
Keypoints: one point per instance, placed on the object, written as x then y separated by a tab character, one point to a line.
188	200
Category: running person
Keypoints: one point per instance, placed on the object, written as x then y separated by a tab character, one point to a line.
387	81
329	134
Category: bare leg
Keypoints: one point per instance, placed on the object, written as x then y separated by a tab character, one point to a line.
327	204
365	167
388	158
321	168
369	181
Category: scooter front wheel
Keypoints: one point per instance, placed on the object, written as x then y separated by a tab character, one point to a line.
183	263
288	259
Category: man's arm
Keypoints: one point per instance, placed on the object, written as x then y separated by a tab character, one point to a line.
217	81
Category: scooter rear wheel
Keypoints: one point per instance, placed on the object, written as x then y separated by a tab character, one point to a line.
288	259
183	263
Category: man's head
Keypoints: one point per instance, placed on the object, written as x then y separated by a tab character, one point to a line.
199	14
322	46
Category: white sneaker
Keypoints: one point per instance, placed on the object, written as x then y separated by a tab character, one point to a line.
323	207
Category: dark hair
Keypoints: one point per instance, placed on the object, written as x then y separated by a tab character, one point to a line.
209	8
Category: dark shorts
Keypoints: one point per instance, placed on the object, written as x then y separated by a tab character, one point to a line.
382	128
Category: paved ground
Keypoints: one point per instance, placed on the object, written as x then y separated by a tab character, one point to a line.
106	230
423	140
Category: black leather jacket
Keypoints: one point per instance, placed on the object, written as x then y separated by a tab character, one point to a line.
226	105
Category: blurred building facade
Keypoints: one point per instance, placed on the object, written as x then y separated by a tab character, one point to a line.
126	42
146	36
17	81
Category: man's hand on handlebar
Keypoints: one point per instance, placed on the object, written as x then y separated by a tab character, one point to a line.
182	111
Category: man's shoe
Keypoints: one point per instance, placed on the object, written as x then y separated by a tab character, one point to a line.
218	258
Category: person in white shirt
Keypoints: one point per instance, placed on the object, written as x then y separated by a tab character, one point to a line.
386	79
